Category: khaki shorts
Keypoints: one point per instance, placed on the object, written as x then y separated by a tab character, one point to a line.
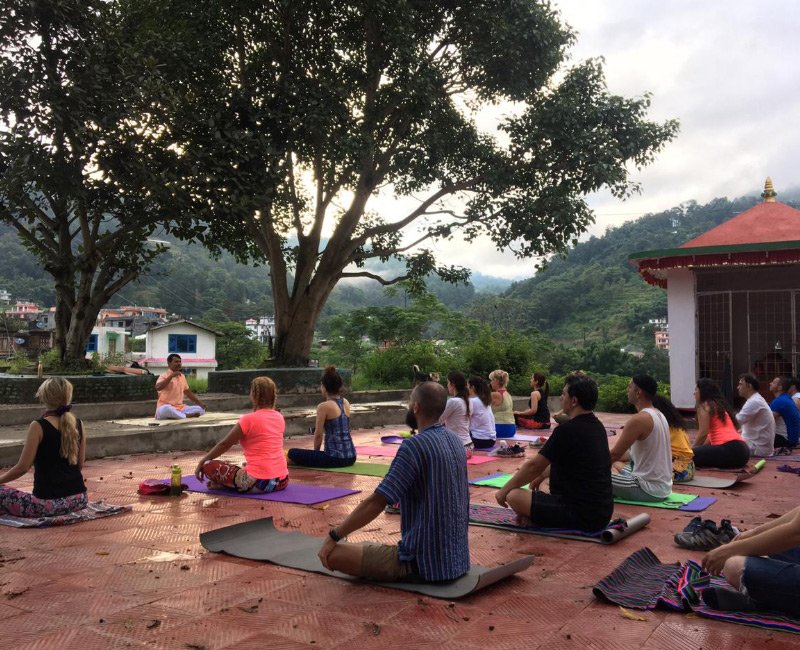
382	562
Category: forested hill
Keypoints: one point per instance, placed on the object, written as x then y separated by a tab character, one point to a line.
595	294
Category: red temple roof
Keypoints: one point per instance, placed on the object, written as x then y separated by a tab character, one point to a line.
766	234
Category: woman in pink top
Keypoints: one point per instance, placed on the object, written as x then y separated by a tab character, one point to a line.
260	433
718	443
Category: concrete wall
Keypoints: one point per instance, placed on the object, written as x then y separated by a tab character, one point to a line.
107	388
682	314
287	380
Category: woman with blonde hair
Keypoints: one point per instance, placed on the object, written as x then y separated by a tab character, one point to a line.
56	447
260	433
502	405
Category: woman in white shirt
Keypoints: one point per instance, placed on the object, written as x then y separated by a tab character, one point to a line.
481	419
456	413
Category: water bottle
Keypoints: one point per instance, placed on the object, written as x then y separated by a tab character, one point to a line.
175	481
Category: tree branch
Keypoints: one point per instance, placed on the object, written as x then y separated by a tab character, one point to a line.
377	278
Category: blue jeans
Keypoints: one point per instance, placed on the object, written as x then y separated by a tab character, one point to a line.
773	582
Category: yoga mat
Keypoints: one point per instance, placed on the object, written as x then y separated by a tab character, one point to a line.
362	469
715	482
209	417
392	440
505	519
675	501
643	582
492	480
366	450
391	452
260	540
294	492
94	510
785	459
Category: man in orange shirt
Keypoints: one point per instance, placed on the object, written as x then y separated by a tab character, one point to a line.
171	387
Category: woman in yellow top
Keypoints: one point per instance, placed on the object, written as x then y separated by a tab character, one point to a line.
682	454
502	405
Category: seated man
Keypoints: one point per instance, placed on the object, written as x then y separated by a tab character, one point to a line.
787	417
171	387
428	477
755	416
576	459
648	474
770	583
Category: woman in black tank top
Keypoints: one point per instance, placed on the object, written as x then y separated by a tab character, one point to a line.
56	447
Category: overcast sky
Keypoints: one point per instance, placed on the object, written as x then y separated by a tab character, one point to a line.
728	70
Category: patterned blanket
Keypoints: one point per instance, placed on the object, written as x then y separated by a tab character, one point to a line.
642	582
94	510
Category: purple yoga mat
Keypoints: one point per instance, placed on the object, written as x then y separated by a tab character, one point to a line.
698	505
294	492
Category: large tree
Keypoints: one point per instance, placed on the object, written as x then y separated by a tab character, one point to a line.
296	115
82	148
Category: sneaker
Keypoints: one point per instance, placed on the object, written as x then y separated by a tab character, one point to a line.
694	525
707	536
511	452
726	531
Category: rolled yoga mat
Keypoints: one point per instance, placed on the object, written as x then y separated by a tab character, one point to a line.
260	540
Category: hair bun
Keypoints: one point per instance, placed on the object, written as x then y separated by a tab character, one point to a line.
329	370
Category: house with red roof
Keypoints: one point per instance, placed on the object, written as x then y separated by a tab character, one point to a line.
733	298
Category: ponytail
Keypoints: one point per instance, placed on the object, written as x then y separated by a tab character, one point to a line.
56	394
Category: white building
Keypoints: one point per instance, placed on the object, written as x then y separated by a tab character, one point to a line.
107	340
262	328
5	297
196	344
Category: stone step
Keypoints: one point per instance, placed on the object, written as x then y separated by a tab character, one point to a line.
116	438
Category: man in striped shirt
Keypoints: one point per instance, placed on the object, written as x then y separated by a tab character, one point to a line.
428	478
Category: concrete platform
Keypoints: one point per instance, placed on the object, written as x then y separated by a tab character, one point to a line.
113	436
142	580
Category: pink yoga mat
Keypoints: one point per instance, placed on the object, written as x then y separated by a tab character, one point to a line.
391	452
294	492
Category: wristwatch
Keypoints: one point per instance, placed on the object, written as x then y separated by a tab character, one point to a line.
334	535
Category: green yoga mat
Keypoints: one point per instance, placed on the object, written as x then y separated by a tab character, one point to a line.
672	502
495	481
362	469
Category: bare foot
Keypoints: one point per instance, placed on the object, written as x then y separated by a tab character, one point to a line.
524	521
193	415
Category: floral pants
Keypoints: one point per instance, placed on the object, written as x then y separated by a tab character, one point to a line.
236	478
24	504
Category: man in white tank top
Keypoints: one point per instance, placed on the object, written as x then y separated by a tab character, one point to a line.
645	444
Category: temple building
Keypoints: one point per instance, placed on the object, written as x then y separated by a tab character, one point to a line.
733	299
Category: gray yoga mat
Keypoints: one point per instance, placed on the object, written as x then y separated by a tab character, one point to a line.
260	540
717	482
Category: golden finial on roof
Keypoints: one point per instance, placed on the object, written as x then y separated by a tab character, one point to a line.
769	192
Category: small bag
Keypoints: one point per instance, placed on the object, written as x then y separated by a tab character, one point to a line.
157	486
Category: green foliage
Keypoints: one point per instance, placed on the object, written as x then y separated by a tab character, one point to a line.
362	97
197	385
613	394
511	352
18	363
391	368
236	348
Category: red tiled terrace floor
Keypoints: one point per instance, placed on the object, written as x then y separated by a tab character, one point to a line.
143	580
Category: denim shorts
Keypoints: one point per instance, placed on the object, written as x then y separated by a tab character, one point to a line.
774	582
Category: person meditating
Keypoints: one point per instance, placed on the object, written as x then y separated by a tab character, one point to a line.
428	478
763	567
682	454
718	443
56	447
333	422
537	415
576	460
755	417
260	433
171	387
502	405
456	414
642	455
481	419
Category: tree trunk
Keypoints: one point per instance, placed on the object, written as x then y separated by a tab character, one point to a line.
295	323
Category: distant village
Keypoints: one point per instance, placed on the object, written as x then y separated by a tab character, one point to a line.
29	329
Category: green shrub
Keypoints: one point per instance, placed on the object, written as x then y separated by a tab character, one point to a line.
507	351
391	368
197	385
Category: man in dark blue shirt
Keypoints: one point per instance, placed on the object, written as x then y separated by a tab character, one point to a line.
428	478
787	417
